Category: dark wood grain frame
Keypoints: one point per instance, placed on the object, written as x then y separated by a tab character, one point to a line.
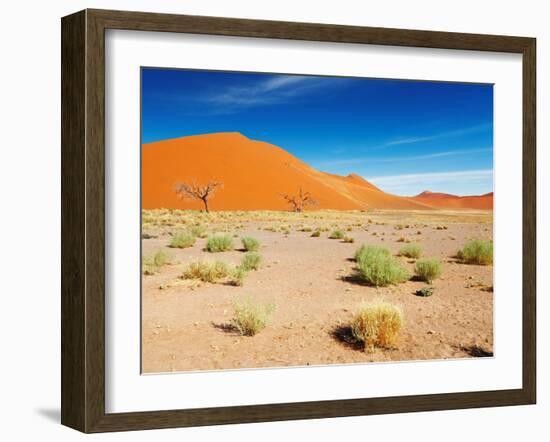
83	220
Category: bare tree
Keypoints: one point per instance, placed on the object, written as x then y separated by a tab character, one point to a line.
197	191
300	201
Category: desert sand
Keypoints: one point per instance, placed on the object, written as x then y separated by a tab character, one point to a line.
255	174
448	201
185	323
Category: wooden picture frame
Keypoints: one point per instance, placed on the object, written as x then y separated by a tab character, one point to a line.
83	220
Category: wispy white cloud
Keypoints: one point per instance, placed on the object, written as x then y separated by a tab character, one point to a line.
372	159
437	136
410	140
273	90
411	184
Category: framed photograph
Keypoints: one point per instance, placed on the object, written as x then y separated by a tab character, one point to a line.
267	221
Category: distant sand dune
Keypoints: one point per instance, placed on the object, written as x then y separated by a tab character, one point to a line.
255	175
447	201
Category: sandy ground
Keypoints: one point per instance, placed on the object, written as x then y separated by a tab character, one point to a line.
184	323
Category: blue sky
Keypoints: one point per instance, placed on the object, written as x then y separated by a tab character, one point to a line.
404	136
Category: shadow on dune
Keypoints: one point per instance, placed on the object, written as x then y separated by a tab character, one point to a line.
344	335
225	327
476	351
354	278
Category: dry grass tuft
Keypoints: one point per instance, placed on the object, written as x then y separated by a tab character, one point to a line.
428	269
182	240
477	251
237	276
199	231
206	271
249	318
377	267
153	263
250	244
219	243
411	251
377	325
337	234
251	261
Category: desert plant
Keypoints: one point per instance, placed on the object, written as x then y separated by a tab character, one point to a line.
206	271
300	201
377	267
477	251
411	251
425	292
152	263
237	276
348	239
251	261
219	243
249	318
337	234
428	269
377	325
198	231
182	240
316	234
202	192
367	251
250	244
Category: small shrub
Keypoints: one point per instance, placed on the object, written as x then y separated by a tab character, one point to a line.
219	243
250	244
477	251
425	292
153	263
251	261
249	318
377	267
206	271
182	240
337	234
198	231
348	239
316	234
411	251
366	251
237	276
377	325
428	269
161	258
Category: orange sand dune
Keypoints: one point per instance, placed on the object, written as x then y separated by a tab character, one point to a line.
448	201
254	175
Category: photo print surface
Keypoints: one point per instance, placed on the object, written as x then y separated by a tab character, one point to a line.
301	220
